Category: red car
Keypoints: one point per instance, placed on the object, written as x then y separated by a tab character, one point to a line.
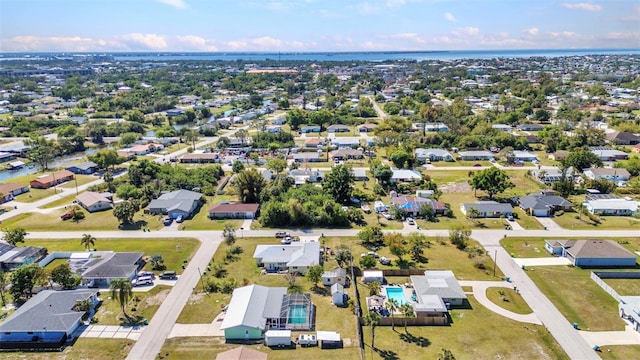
66	216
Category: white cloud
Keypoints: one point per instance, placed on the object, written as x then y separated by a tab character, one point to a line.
178	4
583	6
533	31
413	37
467	31
449	17
192	42
145	41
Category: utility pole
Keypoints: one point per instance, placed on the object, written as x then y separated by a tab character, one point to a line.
495	261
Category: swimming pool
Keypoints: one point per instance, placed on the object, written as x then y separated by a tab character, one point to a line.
397	294
297	314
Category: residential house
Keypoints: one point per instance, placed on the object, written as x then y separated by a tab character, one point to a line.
430	127
552	175
366	128
612	206
612	174
176	203
608	154
558	155
524	156
255	309
432	155
302	157
476	155
435	292
47	320
410	205
9	191
337	128
543	205
234	211
345	142
335	276
100	268
241	353
302	176
405	175
294	258
502	127
488	209
47	181
360	174
592	253
86	168
140	150
174	112
314	142
530	127
307	129
347	154
12	256
622	138
199	158
93	201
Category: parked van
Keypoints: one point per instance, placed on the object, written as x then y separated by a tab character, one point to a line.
167	275
143	280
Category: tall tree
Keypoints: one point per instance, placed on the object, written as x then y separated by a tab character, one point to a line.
581	159
22	281
392	305
314	274
248	185
42	151
122	291
124	212
407	312
492	180
106	158
339	183
229	234
343	255
242	134
63	276
87	241
373	320
397	245
15	235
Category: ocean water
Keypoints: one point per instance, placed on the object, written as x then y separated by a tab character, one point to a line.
368	56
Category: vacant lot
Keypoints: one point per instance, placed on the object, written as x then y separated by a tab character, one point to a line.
534	247
625	287
82	349
103	220
568	287
622	352
508	299
476	333
569	221
143	306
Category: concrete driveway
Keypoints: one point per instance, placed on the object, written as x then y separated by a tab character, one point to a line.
626	337
544	261
109	332
480	293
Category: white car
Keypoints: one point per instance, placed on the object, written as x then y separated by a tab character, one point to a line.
410	221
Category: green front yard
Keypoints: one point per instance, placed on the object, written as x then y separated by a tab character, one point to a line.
525	247
103	220
82	349
568	287
476	333
569	221
509	300
143	306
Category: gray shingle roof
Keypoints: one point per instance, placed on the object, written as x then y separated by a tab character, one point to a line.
539	201
438	282
48	309
489	206
112	266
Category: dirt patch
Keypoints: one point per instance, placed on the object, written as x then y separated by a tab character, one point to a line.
196	298
158	298
455	187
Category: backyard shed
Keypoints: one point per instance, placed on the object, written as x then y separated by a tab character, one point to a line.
337	294
371	276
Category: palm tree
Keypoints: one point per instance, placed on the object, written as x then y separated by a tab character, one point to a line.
122	290
87	241
407	312
392	305
372	319
248	184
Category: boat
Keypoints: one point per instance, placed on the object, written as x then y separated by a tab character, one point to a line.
365	208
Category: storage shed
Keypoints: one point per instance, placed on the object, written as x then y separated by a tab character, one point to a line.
371	276
337	294
329	339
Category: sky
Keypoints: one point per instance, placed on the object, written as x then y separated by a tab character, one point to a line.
316	25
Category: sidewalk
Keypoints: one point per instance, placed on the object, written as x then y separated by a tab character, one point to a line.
543	261
109	332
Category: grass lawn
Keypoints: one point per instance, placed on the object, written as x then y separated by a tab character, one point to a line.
525	248
568	287
509	300
208	348
476	333
67	200
625	287
103	220
173	251
568	221
143	306
34	195
80	179
82	348
620	352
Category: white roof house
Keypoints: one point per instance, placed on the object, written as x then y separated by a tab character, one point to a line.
251	306
296	257
619	207
400	175
441	283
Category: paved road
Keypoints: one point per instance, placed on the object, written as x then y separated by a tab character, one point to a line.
377	108
154	336
569	339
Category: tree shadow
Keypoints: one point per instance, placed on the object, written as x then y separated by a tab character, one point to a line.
320	290
134	226
418	340
129	320
405	264
387	354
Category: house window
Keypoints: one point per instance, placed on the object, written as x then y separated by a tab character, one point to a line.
30	333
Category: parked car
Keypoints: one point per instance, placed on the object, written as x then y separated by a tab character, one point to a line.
510	217
66	216
410	221
286	240
281	234
477	165
147	273
384	261
167	221
167	275
180	219
143	280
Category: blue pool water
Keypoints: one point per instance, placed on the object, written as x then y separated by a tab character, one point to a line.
397	294
297	314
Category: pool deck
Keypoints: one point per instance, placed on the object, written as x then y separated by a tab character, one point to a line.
406	291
